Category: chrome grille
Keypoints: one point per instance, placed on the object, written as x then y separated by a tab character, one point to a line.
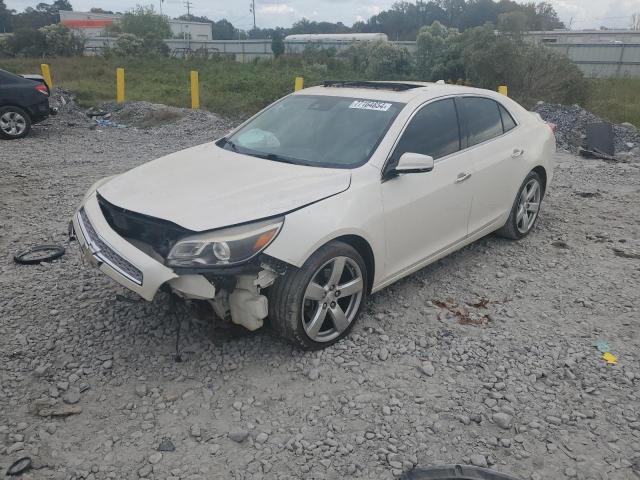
105	253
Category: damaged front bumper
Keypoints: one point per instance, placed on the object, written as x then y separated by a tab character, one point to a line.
140	272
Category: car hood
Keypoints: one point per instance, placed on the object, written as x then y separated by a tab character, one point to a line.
207	187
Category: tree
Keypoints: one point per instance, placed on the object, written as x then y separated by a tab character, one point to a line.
513	22
44	14
277	43
224	30
145	23
438	53
100	10
5	17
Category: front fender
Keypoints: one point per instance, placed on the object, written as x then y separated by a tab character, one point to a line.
357	211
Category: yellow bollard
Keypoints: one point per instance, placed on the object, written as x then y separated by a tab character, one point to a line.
195	90
503	90
46	73
120	85
299	85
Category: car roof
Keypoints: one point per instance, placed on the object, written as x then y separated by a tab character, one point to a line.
393	91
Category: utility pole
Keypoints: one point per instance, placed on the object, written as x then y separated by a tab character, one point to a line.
252	9
161	2
188	4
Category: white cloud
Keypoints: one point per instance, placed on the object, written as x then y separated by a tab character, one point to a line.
276	9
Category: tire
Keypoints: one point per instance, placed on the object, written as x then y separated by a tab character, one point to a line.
309	315
517	227
16	120
39	254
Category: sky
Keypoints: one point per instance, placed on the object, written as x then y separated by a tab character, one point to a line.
580	14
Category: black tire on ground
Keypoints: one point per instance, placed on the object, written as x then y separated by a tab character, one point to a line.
19	111
510	229
286	296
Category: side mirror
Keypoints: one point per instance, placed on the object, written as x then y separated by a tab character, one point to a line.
414	163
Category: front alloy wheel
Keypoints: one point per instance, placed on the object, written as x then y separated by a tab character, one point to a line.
318	304
332	299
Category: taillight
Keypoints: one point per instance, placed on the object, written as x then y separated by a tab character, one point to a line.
552	126
42	89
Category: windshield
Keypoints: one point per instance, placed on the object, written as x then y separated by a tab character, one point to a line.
316	130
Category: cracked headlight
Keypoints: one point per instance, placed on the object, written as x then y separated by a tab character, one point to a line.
228	246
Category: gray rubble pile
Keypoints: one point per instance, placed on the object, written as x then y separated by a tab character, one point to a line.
572	121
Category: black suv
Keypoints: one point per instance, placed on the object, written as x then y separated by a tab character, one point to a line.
23	102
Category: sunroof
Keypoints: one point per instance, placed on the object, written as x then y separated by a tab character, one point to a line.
396	86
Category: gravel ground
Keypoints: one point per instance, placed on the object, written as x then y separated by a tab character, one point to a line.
485	357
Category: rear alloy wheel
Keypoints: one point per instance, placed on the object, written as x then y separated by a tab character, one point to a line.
14	123
525	210
318	304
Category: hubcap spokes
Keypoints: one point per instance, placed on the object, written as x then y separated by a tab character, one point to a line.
332	299
12	123
528	206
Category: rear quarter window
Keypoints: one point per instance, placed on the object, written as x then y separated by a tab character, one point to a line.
508	123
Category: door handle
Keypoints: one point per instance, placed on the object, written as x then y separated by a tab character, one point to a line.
517	152
462	177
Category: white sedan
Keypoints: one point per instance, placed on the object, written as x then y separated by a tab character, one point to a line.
328	195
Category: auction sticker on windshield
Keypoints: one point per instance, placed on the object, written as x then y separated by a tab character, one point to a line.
370	105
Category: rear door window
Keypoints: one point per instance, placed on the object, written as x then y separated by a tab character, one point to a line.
483	119
433	131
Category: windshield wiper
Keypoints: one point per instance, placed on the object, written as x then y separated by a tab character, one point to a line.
233	146
274	157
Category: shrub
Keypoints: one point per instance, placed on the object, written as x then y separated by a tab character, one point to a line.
532	72
130	45
380	60
386	61
60	41
52	40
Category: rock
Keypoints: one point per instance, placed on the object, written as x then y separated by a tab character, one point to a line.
427	368
145	471
60	411
261	437
195	431
478	460
166	445
71	396
155	458
238	435
313	374
383	354
570	472
141	390
503	420
554	420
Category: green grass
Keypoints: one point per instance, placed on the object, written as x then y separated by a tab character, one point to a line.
237	90
615	99
226	87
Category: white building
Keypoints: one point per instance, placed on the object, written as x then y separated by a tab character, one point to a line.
96	24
